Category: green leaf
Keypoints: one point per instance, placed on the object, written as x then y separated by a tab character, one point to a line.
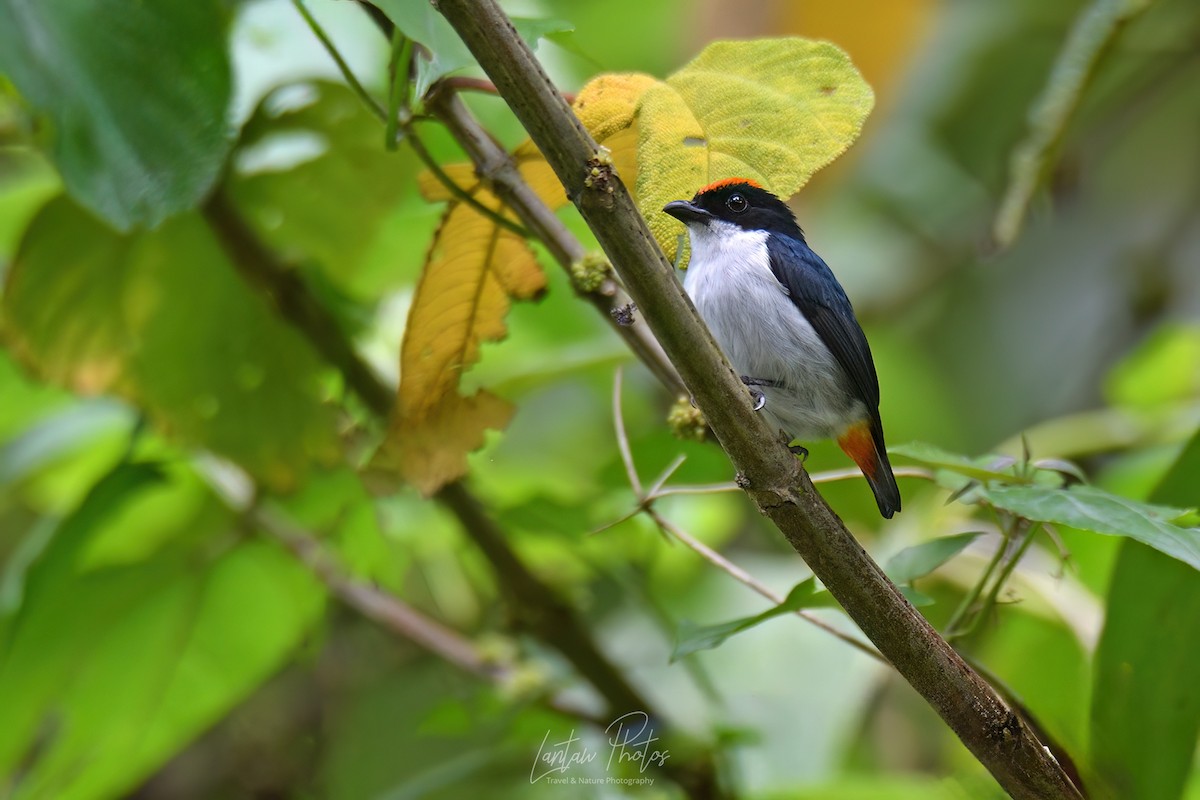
138	129
1146	696
117	666
444	51
1165	368
982	469
307	143
691	638
1093	509
162	320
920	560
772	110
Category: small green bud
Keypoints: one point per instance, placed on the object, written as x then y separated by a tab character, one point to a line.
590	272
686	421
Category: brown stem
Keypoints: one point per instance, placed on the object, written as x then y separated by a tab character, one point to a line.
775	481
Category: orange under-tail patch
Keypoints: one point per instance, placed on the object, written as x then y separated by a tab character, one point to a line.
729	182
858	443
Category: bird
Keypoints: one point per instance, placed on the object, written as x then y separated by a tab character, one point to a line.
785	324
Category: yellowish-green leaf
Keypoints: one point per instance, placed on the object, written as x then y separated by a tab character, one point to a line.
1163	369
474	270
772	110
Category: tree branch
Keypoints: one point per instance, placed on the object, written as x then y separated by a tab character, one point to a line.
394	615
776	483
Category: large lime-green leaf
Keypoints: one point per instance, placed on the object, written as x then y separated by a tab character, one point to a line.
134	96
772	110
1165	368
1146	695
1092	509
162	320
120	654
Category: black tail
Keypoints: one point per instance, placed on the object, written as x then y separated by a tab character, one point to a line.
864	443
881	480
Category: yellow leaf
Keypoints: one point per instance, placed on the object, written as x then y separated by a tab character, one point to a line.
773	110
435	191
431	451
608	104
474	268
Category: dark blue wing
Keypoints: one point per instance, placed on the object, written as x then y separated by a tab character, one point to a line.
817	294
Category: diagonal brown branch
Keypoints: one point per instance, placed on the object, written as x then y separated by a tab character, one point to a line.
776	483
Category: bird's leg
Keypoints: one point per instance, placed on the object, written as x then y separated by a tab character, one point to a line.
799	450
752	384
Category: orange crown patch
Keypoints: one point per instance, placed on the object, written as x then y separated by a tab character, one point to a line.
728	182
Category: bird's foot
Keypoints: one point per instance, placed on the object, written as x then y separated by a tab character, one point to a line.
752	384
800	451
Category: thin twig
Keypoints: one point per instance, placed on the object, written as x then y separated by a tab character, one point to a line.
623	438
828	476
348	74
646	505
399	85
1006	571
394	615
403	121
739	574
431	163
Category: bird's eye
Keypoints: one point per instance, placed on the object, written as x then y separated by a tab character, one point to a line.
736	203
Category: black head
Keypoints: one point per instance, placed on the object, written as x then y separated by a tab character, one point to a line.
738	201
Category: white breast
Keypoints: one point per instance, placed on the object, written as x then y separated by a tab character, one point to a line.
763	333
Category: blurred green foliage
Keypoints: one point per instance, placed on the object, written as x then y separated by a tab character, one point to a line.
154	644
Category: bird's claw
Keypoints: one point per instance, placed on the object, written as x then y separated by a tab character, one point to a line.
760	399
799	450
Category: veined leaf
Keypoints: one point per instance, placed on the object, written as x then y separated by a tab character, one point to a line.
912	563
920	560
1093	509
980	469
138	131
691	638
772	110
474	270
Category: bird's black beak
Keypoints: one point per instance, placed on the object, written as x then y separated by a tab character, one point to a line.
686	211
